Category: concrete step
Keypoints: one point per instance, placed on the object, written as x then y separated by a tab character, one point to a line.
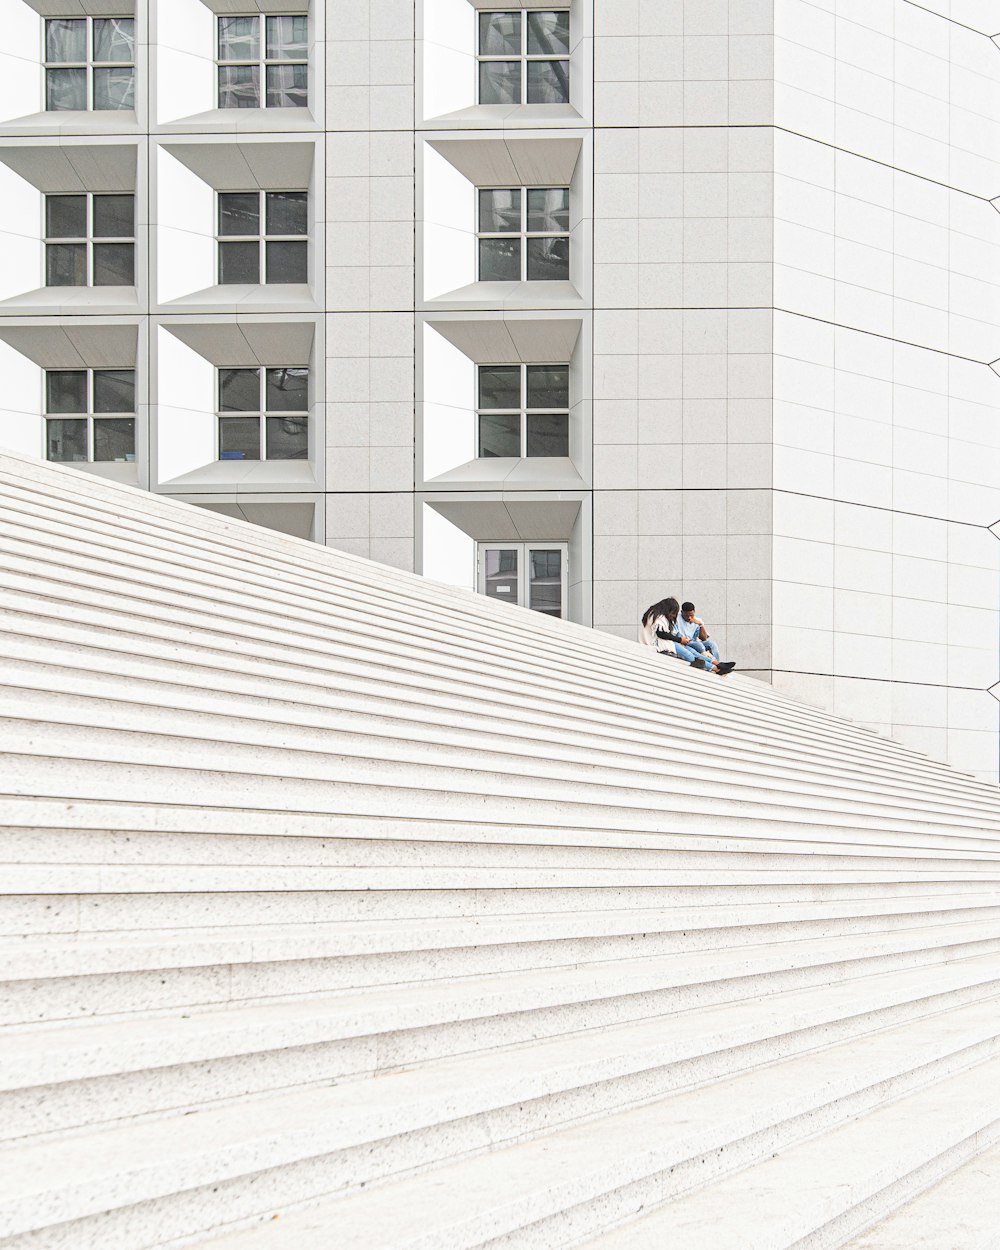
501	625
567	1184
45	666
77	756
109	1075
57	693
179	540
553	938
165	986
958	1211
479	676
820	1192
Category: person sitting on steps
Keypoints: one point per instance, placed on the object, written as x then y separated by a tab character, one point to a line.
659	630
694	633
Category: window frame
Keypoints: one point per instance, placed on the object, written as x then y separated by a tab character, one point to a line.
524	550
89	65
89	240
262	413
523	234
524	412
262	62
91	417
262	238
524	58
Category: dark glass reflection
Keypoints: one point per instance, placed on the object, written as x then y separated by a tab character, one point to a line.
66	216
239	390
548	260
114	439
114	216
499	434
500	386
288	212
66	390
239	213
66	441
500	210
287	438
239	438
287	390
114	390
547	434
548	386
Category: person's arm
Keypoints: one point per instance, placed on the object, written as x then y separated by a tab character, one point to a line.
702	631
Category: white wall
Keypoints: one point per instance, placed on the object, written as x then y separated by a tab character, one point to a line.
185	230
21	424
21	75
186	412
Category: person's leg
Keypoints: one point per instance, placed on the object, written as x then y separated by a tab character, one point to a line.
710	646
689	654
696	645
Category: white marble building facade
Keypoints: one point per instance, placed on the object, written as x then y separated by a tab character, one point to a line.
709	308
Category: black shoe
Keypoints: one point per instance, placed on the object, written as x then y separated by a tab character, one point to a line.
702	664
725	667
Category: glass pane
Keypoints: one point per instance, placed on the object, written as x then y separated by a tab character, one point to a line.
548	386
287	262
548	260
287	390
114	390
114	39
501	573
66	390
239	262
65	89
288	212
66	39
288	38
548	32
545	582
114	89
499	34
239	390
499	82
114	216
66	264
548	208
499	434
499	260
114	439
548	434
239	212
239	438
114	264
66	440
548	82
239	86
500	386
287	86
66	216
500	210
239	38
287	438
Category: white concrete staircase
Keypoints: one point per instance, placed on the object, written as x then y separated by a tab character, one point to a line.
489	931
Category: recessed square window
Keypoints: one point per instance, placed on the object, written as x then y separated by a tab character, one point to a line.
89	63
523	234
264	413
523	410
524	56
278	254
263	61
103	429
90	240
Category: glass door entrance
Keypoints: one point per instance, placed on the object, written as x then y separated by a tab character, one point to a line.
532	576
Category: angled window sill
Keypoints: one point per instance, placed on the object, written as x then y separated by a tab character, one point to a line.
266	297
505	117
493	295
252	475
501	472
74	122
75	299
244	121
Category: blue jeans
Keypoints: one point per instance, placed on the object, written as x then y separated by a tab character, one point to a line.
710	646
